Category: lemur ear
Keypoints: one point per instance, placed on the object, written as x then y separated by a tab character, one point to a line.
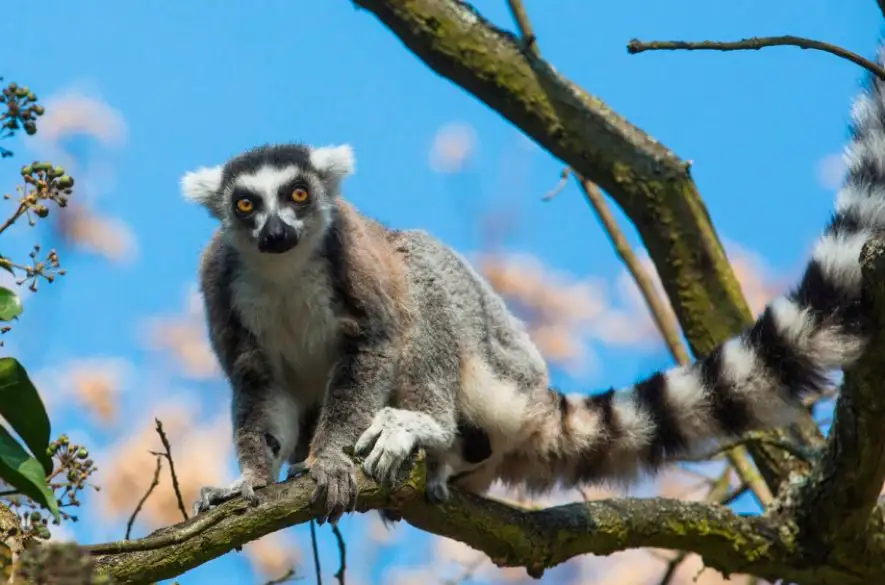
335	161
202	185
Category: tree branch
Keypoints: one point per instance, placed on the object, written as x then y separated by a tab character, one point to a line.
510	536
650	183
636	46
836	501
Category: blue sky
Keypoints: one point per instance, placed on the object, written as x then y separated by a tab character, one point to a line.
198	82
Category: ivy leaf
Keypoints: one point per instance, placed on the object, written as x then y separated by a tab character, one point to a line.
10	304
22	407
24	473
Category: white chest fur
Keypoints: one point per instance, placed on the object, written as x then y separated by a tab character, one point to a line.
290	312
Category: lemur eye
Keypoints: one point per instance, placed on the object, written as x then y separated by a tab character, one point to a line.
300	195
245	205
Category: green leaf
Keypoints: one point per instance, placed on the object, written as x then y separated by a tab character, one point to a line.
21	406
24	473
10	304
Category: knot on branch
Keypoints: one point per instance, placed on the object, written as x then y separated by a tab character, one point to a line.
872	265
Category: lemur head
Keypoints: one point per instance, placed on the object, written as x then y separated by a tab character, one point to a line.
272	197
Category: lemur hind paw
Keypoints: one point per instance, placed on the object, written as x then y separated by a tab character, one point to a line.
243	486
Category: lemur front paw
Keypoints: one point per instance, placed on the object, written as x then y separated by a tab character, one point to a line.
389	442
243	486
335	476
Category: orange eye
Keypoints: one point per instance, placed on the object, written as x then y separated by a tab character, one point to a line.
300	195
245	206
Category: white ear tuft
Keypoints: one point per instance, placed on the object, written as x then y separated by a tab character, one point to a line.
201	184
337	161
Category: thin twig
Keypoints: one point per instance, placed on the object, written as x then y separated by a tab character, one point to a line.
672	566
147	494
168	456
751	437
316	552
755	43
12	219
735	495
563	180
525	27
286	577
667	324
342	552
718	493
740	460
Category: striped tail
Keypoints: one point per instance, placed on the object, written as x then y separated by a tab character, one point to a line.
752	381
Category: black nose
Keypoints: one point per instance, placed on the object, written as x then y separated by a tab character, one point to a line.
276	237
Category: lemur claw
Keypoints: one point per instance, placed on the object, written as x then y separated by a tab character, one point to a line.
389	443
243	486
335	476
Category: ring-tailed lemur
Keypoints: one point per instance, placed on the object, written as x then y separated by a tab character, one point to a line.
334	331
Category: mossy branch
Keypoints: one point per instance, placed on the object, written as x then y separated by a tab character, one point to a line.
836	500
510	536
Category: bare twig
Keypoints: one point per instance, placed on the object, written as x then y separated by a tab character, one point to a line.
748	473
342	552
666	323
718	493
749	438
563	180
672	566
284	578
12	218
168	455
154	484
664	320
734	495
755	43
316	552
525	27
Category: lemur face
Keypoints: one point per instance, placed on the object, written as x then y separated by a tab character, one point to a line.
272	198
